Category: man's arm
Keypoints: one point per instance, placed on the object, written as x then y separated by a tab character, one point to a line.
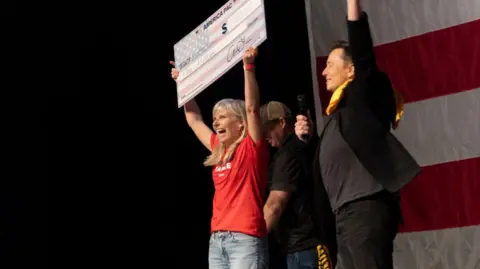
286	175
273	209
379	92
353	10
360	40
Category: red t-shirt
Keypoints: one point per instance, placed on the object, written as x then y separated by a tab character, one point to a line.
240	189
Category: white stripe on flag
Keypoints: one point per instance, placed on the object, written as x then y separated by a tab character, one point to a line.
390	20
442	129
456	248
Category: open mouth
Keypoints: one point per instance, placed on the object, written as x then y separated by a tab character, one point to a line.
221	131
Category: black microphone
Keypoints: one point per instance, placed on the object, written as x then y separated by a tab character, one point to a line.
302	105
303	110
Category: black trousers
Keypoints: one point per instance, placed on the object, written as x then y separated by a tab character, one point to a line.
366	229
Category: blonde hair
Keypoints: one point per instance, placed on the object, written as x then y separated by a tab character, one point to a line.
237	107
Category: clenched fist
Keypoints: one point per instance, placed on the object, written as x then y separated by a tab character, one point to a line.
249	55
175	71
303	128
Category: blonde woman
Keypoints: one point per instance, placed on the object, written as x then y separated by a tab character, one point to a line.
239	158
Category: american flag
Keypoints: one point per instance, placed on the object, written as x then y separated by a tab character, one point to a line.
190	47
431	51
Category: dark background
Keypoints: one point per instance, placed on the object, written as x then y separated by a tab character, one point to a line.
126	185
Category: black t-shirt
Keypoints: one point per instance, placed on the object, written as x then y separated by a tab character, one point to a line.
344	177
290	172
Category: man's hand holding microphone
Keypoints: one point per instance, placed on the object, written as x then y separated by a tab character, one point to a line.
303	125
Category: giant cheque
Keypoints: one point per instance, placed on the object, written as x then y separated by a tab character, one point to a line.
215	46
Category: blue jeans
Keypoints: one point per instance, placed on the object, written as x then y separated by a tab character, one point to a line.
231	250
310	258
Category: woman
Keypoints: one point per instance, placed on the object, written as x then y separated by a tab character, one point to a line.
239	157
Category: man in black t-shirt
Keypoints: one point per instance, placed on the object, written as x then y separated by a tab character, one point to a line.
289	208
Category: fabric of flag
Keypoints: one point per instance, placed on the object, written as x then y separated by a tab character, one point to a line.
431	51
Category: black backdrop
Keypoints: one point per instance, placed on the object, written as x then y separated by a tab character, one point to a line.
127	182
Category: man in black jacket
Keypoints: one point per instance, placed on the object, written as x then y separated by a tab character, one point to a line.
288	210
360	163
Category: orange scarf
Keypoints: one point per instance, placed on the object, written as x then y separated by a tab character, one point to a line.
338	95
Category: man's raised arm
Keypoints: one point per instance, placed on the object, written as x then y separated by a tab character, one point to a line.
360	40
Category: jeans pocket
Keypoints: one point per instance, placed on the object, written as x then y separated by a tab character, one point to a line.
241	237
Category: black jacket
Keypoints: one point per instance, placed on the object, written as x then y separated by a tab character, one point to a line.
366	114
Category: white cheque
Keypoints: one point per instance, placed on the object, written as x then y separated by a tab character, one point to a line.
216	46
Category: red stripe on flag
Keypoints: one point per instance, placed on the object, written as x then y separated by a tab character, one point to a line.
426	66
443	196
